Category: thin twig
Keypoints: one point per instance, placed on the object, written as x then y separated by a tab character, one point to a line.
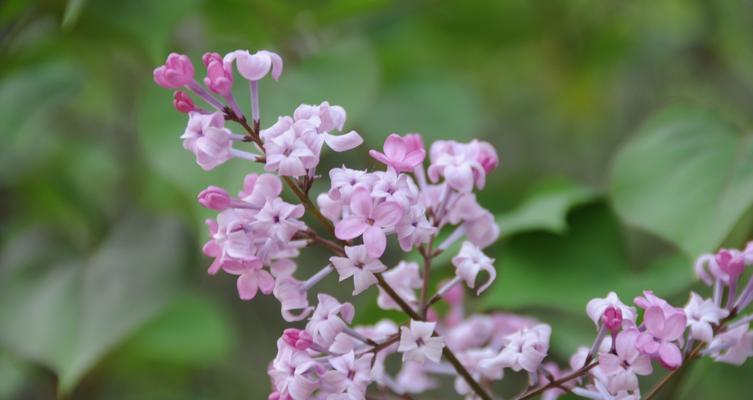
558	383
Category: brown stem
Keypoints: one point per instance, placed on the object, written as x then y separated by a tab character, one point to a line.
448	354
426	252
558	383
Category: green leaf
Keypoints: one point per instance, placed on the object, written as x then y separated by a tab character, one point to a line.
68	315
192	331
414	106
72	11
344	72
545	209
13	375
542	269
30	102
687	176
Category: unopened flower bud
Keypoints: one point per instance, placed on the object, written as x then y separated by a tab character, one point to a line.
297	339
214	198
613	319
176	72
182	102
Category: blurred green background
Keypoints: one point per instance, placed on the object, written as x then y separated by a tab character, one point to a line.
623	129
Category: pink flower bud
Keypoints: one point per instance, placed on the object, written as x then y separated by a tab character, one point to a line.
732	262
214	198
176	72
182	102
487	157
219	77
297	339
613	319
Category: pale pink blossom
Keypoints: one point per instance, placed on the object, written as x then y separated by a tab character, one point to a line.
414	228
418	344
459	164
329	319
370	220
251	278
482	231
469	262
326	118
229	240
209	140
292	296
176	72
350	375
731	262
260	188
621	368
401	153
524	350
596	308
702	315
288	154
254	67
279	219
358	265
344	181
297	339
662	330
413	378
293	373
732	347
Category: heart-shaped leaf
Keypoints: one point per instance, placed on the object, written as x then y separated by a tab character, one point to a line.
687	176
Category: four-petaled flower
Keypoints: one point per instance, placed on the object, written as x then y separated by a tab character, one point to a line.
370	220
417	343
359	265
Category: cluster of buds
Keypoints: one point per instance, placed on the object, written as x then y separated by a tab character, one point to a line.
416	197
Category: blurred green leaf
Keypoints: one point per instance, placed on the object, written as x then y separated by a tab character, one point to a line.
343	72
72	11
439	108
542	269
192	331
545	209
70	314
13	375
30	102
687	176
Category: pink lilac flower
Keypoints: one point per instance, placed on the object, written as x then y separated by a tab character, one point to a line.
418	344
662	330
292	297
260	188
401	153
487	156
596	308
414	228
471	360
182	102
279	219
359	265
732	347
459	164
229	241
649	299
288	154
326	118
392	186
176	72
482	231
621	368
251	278
344	181
207	137
413	378
469	262
731	262
349	374
404	279
524	350
254	67
332	209
702	314
329	319
370	220
293	373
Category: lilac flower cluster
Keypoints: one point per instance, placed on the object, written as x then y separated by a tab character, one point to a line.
258	236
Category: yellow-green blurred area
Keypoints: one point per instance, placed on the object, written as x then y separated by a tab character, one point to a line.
623	128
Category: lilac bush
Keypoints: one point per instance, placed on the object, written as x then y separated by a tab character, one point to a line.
257	236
